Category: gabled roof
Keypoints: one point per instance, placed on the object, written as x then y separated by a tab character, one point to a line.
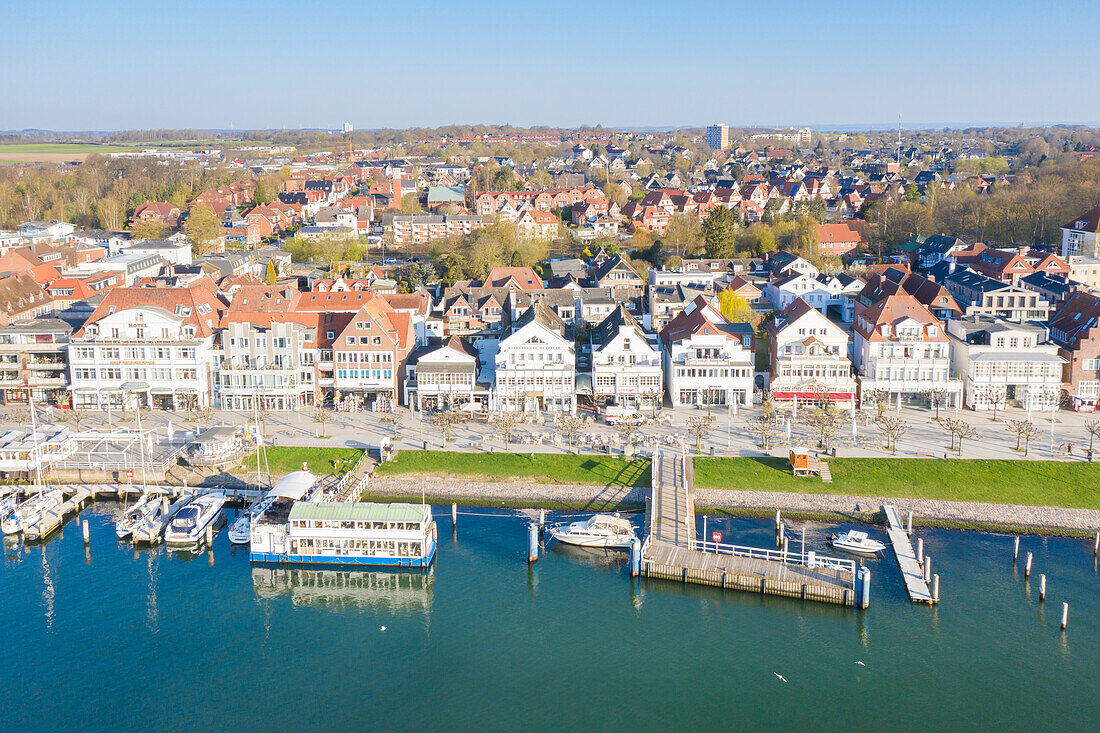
700	317
616	321
201	298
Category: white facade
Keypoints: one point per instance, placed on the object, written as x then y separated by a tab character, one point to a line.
810	353
1006	364
707	360
905	358
627	368
145	355
819	292
536	370
273	364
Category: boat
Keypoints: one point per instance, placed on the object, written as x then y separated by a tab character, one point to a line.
7	505
599	530
856	542
32	510
189	524
240	532
145	509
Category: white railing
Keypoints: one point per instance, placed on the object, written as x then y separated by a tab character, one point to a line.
807	559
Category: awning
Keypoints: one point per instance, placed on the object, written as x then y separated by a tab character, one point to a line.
812	396
135	386
187	390
161	390
85	390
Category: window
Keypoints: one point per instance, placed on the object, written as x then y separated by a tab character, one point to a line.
1090	364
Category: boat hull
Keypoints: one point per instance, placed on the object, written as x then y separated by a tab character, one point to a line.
868	551
609	543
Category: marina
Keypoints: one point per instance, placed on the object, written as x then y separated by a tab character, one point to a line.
912	568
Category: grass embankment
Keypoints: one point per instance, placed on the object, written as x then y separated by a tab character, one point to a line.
1034	483
283	460
551	468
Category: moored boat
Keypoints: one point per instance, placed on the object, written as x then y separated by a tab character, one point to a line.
146	508
856	542
190	522
240	532
599	530
31	511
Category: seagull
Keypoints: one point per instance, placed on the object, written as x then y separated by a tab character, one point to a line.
860	663
781	677
382	629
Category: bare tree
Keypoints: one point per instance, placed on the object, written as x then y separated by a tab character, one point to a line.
699	428
937	398
764	428
654	397
824	423
960	430
881	398
322	415
892	427
570	426
994	394
1092	427
392	419
445	420
1025	432
767	402
506	422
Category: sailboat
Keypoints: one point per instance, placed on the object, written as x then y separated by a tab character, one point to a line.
147	508
240	533
33	509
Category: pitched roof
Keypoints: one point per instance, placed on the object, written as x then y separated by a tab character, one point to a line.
204	303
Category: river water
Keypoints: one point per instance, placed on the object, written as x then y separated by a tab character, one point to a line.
110	638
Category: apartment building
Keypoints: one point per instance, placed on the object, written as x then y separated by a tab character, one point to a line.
626	365
34	360
1003	363
536	364
708	360
808	357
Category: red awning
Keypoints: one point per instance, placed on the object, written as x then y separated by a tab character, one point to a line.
812	396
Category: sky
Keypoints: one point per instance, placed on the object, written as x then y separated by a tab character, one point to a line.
75	65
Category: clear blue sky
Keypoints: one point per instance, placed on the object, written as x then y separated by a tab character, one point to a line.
77	65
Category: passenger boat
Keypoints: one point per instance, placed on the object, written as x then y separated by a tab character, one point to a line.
189	524
856	542
32	511
240	532
146	508
599	530
360	534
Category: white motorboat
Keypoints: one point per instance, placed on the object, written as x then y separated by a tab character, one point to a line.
240	532
189	524
146	508
7	505
599	530
31	511
856	542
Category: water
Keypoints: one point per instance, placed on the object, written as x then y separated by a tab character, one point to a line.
116	639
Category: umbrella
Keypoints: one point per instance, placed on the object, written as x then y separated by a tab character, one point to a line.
788	430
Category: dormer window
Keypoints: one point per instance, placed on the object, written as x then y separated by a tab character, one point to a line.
885	330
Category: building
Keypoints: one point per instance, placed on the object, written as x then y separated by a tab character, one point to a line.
148	346
902	353
1079	237
708	360
1005	364
808	357
979	295
837	240
536	364
718	136
369	356
626	366
1074	330
444	376
34	358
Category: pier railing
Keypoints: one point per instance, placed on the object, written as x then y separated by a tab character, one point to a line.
804	559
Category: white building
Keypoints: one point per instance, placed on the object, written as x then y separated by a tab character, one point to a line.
902	351
536	364
148	346
1079	237
272	363
707	359
808	355
1006	363
444	376
819	291
626	366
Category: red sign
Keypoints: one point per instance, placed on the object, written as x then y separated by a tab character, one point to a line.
716	536
129	474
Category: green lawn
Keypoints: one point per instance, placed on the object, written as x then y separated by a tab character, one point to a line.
545	468
1038	483
283	460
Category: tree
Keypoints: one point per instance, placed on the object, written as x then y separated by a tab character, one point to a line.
653	396
764	428
699	428
322	415
260	196
937	398
995	395
1025	431
1092	427
881	398
735	308
627	429
892	427
570	426
270	274
445	421
959	430
392	419
719	233
506	422
410	204
149	230
684	234
824	422
202	228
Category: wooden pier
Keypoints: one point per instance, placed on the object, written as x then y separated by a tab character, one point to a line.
671	550
911	571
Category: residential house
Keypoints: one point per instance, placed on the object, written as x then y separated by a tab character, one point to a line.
444	376
626	366
157	212
34	360
980	295
536	364
369	356
617	274
1079	237
808	357
708	360
1003	363
1074	330
22	298
837	240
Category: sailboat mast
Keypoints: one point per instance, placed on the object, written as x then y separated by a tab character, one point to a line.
36	455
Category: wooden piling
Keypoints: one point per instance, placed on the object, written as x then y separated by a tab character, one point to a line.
1027	566
209	534
542	517
84	527
920	550
782	535
936	588
927	568
454	516
1015	549
909	524
777	521
1096	544
1065	615
1042	587
532	543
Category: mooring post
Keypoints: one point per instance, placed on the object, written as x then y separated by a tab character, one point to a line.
454	516
920	550
909	524
532	543
1015	549
864	587
1096	544
542	517
927	568
1065	615
1027	566
164	505
635	557
1042	587
782	532
936	588
84	527
209	535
